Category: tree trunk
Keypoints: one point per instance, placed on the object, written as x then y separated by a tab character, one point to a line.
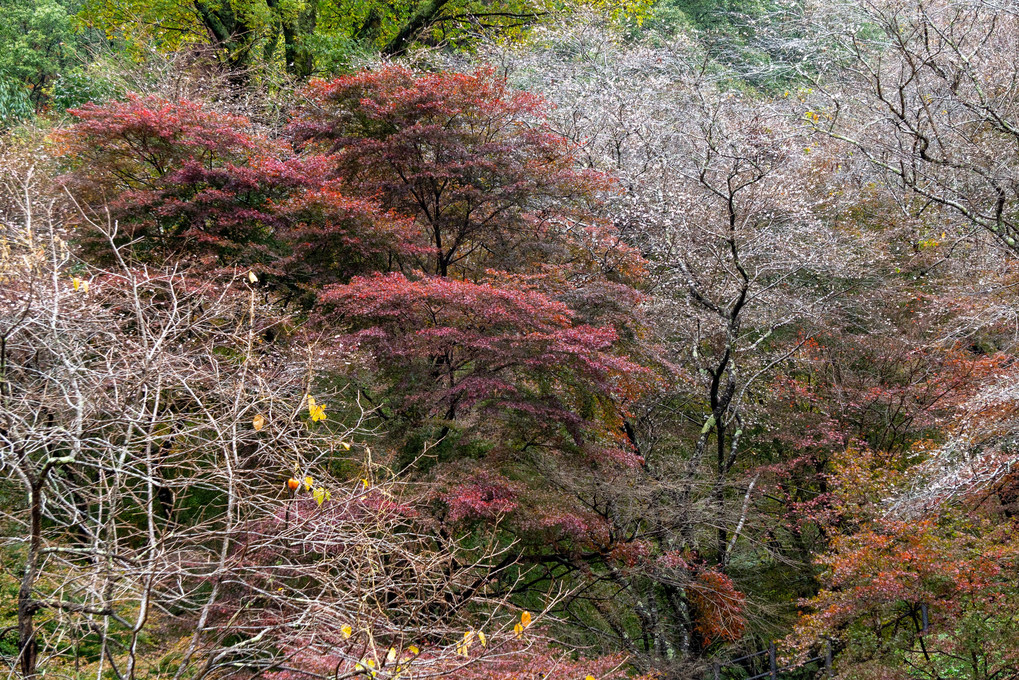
426	13
28	647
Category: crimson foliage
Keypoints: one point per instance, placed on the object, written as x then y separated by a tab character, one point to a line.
192	186
456	256
493	307
469	159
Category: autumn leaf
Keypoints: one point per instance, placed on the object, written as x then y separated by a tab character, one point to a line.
316	410
258	422
320	495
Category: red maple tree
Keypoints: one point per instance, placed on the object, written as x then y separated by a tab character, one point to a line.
494	306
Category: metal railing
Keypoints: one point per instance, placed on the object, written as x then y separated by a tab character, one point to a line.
774	670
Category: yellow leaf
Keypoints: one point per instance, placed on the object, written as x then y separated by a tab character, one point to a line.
481	638
364	483
590	677
258	422
252	278
308	483
315	410
76	282
319	495
518	630
525	619
345	446
347	631
391	656
414	650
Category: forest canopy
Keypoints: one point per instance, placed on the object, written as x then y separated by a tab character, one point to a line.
505	340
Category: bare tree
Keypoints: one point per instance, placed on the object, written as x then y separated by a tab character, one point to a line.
928	90
186	476
721	193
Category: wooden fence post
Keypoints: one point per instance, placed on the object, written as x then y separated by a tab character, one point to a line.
773	660
827	658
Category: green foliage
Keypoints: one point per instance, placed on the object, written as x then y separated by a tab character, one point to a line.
316	37
336	52
37	42
79	87
15	104
761	40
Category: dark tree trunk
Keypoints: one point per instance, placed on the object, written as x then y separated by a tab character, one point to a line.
423	17
28	647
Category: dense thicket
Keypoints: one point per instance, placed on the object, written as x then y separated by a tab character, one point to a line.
512	340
